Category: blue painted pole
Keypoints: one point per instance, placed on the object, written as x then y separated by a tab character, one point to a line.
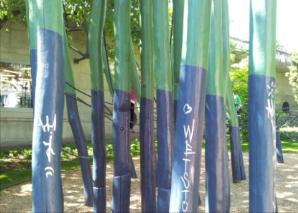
47	193
217	173
76	127
165	104
190	107
121	113
178	7
279	153
261	111
237	164
95	40
148	170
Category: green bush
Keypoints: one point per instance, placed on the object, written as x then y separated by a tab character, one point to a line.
239	77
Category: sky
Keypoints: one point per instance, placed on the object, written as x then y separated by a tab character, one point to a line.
286	22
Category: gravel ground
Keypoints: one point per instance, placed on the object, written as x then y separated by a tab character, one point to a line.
18	198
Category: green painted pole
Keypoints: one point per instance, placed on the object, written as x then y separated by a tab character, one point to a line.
31	16
190	107
121	113
95	40
216	157
164	96
76	126
148	172
107	70
47	193
261	110
135	73
237	164
178	7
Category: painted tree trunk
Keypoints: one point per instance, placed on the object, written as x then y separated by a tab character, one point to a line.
216	157
148	171
135	73
261	92
121	113
76	127
95	40
107	69
31	16
237	164
190	107
178	7
47	193
164	96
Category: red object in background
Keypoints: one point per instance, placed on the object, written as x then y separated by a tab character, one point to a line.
133	96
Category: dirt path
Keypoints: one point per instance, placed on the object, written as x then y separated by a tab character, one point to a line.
18	198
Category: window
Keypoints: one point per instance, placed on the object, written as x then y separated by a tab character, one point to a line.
15	86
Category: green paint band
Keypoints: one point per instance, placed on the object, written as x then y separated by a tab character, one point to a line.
177	41
68	70
197	57
163	71
122	40
95	38
216	75
262	47
147	49
134	73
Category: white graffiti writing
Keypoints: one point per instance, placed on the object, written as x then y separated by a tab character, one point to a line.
49	128
188	151
49	171
270	103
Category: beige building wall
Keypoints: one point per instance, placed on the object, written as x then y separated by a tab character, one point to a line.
16	123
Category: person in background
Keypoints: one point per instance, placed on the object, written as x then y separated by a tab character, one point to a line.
133	115
238	103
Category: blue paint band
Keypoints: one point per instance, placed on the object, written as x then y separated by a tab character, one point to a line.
99	155
148	172
237	165
279	153
122	173
47	193
121	193
216	157
79	139
188	140
165	138
261	126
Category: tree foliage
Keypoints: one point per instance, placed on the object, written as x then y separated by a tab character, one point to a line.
292	74
239	78
76	17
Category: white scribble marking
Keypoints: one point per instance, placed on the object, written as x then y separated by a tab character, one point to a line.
187	109
188	135
50	150
49	171
270	103
47	127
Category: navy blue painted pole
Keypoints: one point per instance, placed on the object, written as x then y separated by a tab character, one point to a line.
121	113
95	40
76	127
165	114
47	193
148	172
31	15
279	153
261	110
190	107
217	173
237	164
